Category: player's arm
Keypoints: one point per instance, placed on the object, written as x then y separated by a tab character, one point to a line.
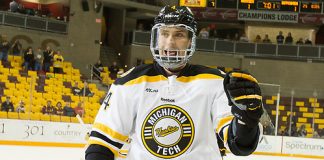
238	124
112	126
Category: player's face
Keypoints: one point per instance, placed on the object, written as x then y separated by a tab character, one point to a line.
173	39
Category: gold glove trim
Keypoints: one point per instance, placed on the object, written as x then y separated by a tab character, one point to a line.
244	76
255	96
252	109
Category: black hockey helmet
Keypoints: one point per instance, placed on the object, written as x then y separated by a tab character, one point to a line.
176	15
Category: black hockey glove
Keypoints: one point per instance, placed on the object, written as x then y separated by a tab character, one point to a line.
244	95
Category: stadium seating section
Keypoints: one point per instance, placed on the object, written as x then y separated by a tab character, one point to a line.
35	89
304	109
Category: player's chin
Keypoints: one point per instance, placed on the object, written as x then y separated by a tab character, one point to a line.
175	70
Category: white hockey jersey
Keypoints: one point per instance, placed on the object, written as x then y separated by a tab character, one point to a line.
152	116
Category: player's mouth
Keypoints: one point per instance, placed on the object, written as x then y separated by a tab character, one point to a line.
170	53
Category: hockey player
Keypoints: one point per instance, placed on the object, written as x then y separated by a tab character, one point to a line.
173	110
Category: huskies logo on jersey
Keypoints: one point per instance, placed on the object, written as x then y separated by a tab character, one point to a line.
167	131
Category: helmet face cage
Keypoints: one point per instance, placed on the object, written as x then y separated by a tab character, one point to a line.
171	58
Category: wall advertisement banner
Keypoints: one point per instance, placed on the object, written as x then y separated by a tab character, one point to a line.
41	131
306	18
270	144
268	16
304	146
215	14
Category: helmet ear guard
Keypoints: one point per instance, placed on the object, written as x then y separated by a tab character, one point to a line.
178	17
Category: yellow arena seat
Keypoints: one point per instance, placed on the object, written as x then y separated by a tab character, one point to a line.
66	90
312	100
14	72
86	120
3	77
4	71
10	85
58	90
10	58
84	99
303	109
21	79
91	120
48	88
92	86
38	95
3	114
49	75
87	105
321	121
35	116
315	105
8	92
67	71
67	77
16	65
47	96
76	78
300	103
318	110
57	97
96	106
74	120
24	116
36	109
58	82
67	64
32	73
65	119
302	120
49	82
45	117
27	108
18	59
321	126
12	115
284	118
310	115
75	98
20	86
58	76
76	72
105	69
26	94
94	113
55	118
307	125
101	93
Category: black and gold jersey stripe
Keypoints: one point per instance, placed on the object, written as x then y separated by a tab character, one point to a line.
155	73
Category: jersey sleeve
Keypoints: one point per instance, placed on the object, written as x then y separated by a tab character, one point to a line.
221	117
114	121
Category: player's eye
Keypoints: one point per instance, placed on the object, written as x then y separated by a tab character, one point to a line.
179	35
165	34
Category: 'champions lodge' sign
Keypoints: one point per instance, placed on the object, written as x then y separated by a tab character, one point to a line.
285	17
